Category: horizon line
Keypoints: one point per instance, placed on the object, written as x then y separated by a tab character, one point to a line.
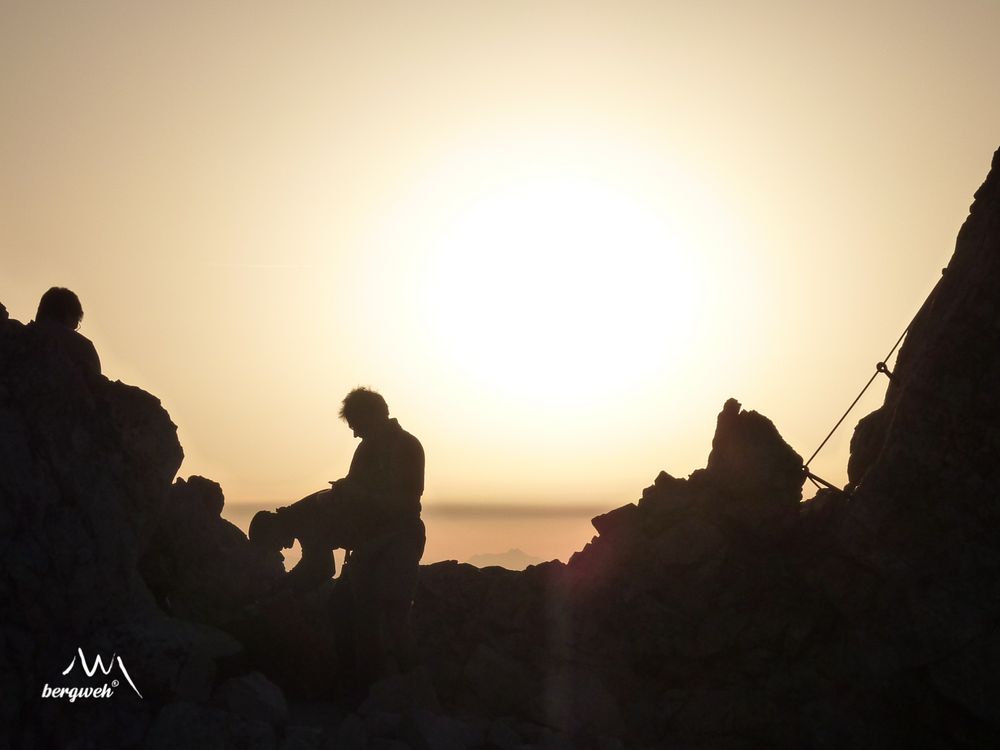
494	508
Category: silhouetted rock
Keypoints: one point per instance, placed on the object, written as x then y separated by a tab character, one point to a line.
759	477
618	522
399	694
254	697
85	476
196	725
722	611
199	565
926	498
685	584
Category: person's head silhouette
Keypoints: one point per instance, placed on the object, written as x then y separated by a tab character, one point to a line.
60	306
365	412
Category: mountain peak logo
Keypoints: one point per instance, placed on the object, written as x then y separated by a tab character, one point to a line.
104	691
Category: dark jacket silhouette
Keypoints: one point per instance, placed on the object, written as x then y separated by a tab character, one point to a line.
69	343
58	316
387	476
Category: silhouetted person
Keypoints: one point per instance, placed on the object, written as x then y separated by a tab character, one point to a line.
374	514
58	316
383	486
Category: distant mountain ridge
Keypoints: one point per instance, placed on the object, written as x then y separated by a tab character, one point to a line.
512	559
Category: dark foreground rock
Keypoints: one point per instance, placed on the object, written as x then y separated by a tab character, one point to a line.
715	611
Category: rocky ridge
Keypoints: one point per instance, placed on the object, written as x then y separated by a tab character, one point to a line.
717	610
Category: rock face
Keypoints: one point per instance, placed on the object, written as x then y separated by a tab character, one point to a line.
671	621
927	495
198	565
720	611
86	467
715	611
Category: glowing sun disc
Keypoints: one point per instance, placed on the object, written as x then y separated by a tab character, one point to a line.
558	286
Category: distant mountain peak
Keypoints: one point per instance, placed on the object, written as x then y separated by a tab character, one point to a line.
512	559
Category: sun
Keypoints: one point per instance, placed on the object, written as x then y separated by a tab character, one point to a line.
559	285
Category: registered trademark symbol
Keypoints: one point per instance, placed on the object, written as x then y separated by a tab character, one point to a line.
114	683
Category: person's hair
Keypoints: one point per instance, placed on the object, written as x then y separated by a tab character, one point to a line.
60	305
363	401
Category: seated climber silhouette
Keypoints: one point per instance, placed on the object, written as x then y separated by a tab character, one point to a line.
374	514
58	316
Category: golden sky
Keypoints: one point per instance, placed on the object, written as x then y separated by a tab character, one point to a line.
556	236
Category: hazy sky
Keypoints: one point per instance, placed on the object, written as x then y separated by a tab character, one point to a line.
556	236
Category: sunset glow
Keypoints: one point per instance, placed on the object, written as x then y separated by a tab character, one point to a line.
556	237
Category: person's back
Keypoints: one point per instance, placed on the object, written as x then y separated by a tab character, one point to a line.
387	471
58	316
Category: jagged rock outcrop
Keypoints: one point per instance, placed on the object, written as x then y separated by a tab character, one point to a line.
198	565
86	467
939	420
719	611
673	620
715	611
926	512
